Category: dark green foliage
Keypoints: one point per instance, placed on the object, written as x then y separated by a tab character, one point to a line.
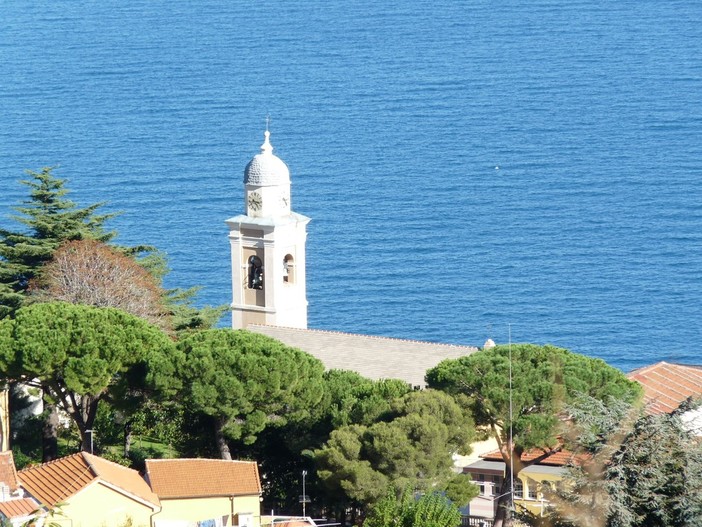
24	426
78	353
23	460
544	379
353	399
117	458
159	421
184	316
412	445
284	450
50	219
247	381
642	470
461	489
429	510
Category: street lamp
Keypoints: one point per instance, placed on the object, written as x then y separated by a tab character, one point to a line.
304	498
89	431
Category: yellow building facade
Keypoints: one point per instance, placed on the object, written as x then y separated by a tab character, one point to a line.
101	505
84	490
530	487
221	492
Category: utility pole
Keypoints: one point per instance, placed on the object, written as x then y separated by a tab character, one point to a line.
90	431
304	498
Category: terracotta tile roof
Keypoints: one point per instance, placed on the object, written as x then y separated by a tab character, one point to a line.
18	508
372	357
667	385
195	478
558	458
58	480
8	473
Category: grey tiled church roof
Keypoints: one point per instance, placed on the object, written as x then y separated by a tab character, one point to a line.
372	357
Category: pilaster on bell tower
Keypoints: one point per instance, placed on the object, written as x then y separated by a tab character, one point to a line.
268	248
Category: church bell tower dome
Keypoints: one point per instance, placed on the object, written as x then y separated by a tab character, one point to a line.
268	248
266	169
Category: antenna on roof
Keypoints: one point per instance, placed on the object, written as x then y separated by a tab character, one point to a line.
511	436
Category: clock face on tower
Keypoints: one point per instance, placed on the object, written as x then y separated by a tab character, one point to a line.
255	201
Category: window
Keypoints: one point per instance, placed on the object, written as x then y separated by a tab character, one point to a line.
496	484
518	489
288	269
532	488
255	273
244	519
481	484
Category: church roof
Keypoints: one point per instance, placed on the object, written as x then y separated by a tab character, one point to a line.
373	357
266	169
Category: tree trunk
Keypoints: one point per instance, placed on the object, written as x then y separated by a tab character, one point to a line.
504	502
222	445
88	412
127	438
49	432
504	513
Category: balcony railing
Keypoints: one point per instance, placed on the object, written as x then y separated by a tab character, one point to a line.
476	521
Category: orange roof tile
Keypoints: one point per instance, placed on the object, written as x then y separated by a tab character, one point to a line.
667	385
18	508
8	473
558	458
190	478
58	480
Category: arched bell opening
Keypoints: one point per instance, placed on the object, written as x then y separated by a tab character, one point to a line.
289	269
255	273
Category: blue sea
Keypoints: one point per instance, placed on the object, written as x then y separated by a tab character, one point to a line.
472	168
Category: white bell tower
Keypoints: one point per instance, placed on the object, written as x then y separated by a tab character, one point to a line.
268	248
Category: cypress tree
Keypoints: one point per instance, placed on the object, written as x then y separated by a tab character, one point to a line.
50	219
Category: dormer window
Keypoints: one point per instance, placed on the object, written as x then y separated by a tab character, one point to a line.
255	273
288	269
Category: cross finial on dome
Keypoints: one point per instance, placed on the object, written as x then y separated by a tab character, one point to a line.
266	147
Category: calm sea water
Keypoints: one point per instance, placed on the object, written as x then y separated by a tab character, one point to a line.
468	165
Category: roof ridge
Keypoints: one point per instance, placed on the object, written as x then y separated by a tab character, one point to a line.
120	479
104	460
71	488
647	367
375	337
662	364
92	468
